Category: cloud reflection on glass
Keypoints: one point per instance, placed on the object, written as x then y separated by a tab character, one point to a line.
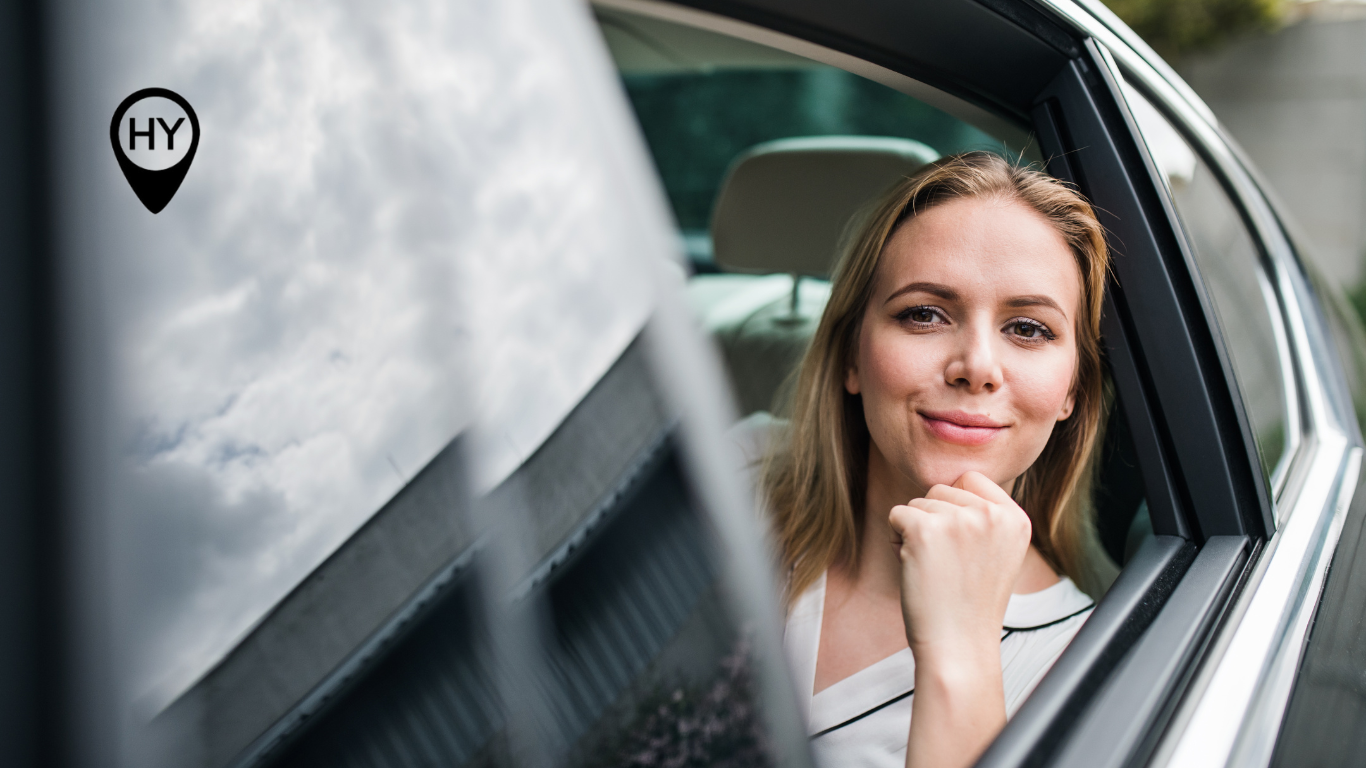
293	334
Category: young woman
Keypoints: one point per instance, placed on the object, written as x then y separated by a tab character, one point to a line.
931	491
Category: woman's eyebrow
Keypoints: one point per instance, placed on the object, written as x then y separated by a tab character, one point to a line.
934	289
1019	302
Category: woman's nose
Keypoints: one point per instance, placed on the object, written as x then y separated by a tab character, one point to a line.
975	363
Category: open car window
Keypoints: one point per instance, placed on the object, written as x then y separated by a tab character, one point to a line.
702	98
707	103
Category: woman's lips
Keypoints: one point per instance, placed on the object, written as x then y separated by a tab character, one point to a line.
961	428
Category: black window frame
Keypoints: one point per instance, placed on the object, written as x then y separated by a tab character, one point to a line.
1250	225
1114	716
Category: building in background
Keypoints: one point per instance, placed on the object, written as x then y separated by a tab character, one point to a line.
1295	99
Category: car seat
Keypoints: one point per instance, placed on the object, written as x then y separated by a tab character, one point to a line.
783	209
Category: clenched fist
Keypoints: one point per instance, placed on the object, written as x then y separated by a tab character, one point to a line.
961	549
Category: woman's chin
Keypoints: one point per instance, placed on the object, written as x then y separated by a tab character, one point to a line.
948	473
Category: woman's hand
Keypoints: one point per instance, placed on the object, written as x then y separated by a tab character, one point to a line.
961	550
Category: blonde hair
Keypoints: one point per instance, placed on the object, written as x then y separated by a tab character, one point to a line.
815	476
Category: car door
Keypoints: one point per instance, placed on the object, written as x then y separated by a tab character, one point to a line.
546	550
1311	477
1235	429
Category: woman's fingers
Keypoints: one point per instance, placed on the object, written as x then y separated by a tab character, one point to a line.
970	510
959	496
916	522
937	505
981	485
971	507
902	519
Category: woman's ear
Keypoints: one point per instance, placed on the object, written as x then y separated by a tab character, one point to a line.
1067	406
851	383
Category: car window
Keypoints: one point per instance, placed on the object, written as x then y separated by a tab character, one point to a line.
1349	335
482	250
697	123
1231	266
705	102
703	98
290	336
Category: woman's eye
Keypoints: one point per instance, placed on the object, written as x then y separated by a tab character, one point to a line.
1028	329
919	315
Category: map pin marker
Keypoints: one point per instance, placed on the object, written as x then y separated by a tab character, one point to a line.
155	134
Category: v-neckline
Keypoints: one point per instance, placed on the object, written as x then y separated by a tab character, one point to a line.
887	678
893	677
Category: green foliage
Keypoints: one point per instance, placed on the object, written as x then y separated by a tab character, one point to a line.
1175	27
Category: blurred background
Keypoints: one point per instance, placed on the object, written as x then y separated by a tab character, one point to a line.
1288	80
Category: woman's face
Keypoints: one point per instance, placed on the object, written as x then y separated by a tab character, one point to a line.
967	352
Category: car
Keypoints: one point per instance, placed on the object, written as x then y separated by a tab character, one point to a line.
403	431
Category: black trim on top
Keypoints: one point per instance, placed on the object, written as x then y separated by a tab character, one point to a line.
1238	431
859	717
993	53
1074	614
1043	27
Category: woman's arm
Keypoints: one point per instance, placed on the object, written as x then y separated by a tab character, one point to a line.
961	550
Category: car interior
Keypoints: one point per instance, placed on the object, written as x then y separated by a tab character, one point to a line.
763	226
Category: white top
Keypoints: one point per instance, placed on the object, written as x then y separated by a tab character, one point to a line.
864	719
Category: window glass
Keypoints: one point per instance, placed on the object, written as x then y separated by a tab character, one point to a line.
1349	335
1234	274
290	337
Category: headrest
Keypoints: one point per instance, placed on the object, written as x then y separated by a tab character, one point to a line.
784	204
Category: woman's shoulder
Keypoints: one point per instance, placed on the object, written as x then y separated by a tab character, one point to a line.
1048	607
1038	628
